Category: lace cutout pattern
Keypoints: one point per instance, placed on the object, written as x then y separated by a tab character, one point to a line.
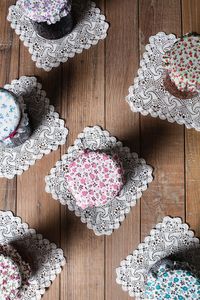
103	219
45	259
170	238
90	28
48	130
148	95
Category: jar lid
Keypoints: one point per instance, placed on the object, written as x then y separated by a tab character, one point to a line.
10	114
174	280
10	278
183	63
49	11
95	178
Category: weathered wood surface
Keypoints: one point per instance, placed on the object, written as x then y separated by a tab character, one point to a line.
90	90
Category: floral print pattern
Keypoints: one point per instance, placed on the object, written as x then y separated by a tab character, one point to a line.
173	280
183	63
14	273
48	54
50	11
10	278
10	114
14	120
95	178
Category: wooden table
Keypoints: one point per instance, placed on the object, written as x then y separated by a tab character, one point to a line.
88	90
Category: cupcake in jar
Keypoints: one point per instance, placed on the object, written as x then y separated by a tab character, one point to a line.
51	19
94	178
172	280
182	65
14	273
14	122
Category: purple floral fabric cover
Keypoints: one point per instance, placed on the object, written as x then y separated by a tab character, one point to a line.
49	11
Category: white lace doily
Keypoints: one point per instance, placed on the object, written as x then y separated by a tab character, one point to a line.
90	28
48	130
45	259
102	219
169	238
148	95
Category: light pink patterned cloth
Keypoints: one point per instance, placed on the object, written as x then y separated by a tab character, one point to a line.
50	11
183	63
13	273
95	178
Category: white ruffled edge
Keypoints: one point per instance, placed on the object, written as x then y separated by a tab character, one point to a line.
32	232
149	50
78	213
124	264
28	163
28	44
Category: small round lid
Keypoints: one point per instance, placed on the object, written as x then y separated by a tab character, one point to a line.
10	278
183	63
173	280
10	114
49	11
95	178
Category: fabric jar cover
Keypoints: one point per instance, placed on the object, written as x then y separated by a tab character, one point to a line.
183	63
10	277
14	121
95	178
48	11
13	273
172	280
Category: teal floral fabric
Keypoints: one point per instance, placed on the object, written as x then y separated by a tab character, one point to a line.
174	281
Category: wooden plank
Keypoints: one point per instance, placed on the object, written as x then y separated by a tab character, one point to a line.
121	65
82	105
162	143
191	22
34	205
9	51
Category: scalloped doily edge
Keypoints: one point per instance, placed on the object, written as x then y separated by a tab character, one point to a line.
132	204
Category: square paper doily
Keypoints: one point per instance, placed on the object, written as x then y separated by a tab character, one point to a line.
148	95
173	238
103	219
48	130
46	260
90	28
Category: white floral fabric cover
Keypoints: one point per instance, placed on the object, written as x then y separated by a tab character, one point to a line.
10	114
45	259
48	130
89	29
148	96
170	238
102	219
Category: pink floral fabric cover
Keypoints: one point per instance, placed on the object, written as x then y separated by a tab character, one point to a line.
13	273
95	178
50	11
183	63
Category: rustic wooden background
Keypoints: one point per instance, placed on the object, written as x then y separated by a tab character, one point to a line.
88	90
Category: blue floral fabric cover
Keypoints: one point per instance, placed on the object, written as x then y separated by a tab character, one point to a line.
172	280
10	114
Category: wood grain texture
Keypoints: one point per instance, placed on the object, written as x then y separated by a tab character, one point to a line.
90	90
190	22
34	205
82	105
162	143
9	51
121	64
